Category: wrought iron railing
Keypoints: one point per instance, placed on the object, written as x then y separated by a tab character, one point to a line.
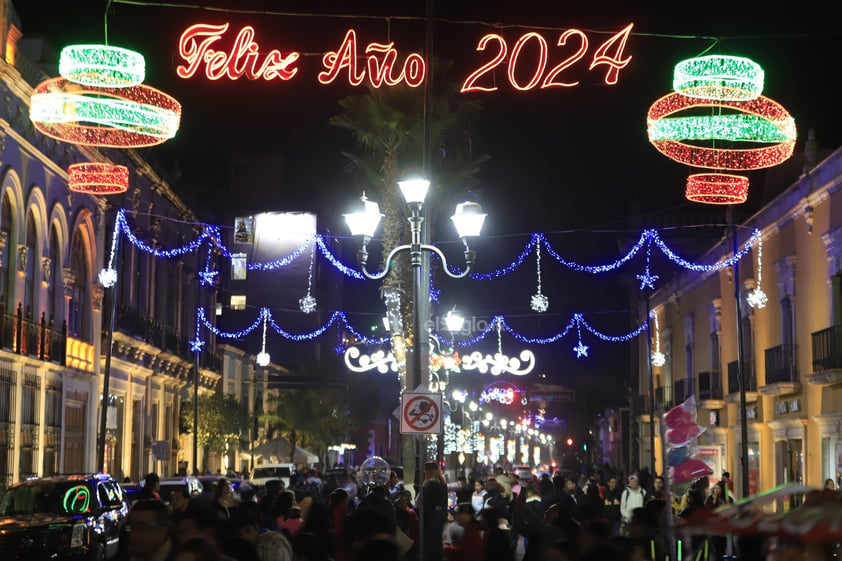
679	392
38	338
710	385
748	373
782	364
827	348
141	326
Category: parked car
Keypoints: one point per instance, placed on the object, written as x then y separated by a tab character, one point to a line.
69	517
191	484
241	488
264	472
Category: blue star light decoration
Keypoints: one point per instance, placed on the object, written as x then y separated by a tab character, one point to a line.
196	345
647	280
208	277
581	350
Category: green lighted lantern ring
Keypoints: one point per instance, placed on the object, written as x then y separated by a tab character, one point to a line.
102	66
719	77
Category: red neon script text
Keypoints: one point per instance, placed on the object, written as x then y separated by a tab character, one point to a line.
381	59
194	46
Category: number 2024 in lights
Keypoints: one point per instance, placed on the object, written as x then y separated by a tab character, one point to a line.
382	65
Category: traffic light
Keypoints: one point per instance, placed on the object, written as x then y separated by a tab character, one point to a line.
569	441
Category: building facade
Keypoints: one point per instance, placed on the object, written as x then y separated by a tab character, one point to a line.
56	316
791	348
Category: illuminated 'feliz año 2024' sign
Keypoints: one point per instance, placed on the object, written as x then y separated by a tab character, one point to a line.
382	65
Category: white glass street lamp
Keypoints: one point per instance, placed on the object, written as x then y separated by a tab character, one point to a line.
467	219
454	321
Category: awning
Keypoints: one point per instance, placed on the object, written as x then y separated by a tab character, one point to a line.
277	451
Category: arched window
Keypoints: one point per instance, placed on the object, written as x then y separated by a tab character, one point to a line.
32	269
6	240
55	294
79	322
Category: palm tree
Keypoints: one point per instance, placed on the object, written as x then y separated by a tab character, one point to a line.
388	126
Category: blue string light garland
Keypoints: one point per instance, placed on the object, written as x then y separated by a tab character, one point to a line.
212	235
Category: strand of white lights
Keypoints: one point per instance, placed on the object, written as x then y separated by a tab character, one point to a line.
658	358
580	349
307	304
647	280
756	298
263	357
108	276
539	303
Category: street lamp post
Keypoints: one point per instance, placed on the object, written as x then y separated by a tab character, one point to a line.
467	219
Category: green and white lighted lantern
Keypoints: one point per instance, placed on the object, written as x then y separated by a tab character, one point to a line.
102	66
719	77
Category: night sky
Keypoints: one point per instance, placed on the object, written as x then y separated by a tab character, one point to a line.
571	162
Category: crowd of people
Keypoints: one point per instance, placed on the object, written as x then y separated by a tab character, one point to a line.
490	517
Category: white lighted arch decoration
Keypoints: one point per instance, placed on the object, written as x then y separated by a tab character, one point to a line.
380	360
498	363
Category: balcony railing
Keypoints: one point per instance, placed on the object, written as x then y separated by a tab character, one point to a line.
710	385
141	326
782	364
678	391
748	372
827	349
663	398
23	335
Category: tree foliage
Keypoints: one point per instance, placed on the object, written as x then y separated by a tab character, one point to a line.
388	127
310	419
222	420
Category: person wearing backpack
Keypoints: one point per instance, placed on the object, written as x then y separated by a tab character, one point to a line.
634	496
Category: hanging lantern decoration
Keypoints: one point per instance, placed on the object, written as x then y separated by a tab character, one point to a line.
132	117
98	178
717	188
759	120
719	77
102	66
731	87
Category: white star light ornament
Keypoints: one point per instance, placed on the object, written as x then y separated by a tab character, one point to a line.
581	350
263	359
658	359
108	277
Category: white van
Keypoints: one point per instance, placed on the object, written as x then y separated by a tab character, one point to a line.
266	472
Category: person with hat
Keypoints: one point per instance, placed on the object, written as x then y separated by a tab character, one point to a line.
634	496
471	546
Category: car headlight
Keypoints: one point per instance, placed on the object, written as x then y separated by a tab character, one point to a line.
78	538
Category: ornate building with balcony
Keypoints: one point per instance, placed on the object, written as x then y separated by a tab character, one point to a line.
53	314
791	348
